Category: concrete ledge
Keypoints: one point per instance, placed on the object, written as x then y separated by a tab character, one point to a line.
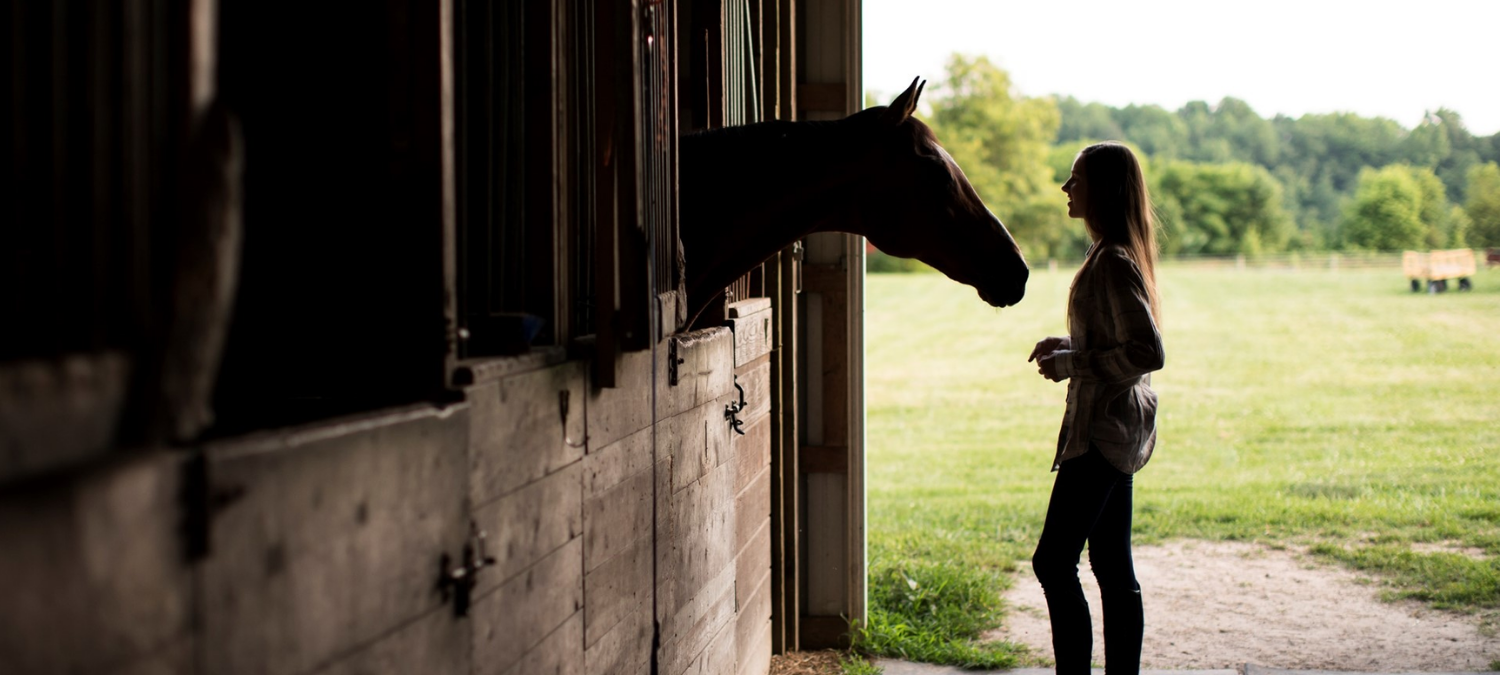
893	667
1252	669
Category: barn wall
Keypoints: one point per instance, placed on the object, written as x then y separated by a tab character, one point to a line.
324	540
584	534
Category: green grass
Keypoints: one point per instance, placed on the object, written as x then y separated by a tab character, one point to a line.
1334	410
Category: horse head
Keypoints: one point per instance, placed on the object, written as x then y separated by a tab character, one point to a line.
915	202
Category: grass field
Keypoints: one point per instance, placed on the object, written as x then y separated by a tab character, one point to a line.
1333	410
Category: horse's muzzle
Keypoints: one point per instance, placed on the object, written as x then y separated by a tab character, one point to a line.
1006	291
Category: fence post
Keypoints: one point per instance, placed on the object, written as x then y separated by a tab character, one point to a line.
1333	262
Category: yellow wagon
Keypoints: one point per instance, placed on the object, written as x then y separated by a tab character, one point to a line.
1433	269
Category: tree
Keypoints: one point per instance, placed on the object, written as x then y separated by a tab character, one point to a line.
1002	139
1079	121
1463	153
1218	209
1483	204
1157	132
1397	207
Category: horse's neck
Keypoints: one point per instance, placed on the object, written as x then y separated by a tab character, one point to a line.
750	192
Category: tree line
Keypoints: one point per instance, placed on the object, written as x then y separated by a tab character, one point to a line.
1225	180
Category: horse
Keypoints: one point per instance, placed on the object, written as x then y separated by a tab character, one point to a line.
747	192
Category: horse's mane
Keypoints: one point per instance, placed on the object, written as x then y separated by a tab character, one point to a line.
791	148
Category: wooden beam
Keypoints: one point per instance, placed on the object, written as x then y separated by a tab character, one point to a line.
825	632
824	459
826	97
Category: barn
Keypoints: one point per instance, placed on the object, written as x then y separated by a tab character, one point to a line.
354	338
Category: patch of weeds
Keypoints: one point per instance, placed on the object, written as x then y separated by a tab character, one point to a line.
927	611
856	664
1447	580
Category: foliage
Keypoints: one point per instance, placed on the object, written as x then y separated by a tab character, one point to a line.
1317	158
1001	140
1444	579
928	609
1269	184
1218	209
1397	207
856	664
1483	205
1297	409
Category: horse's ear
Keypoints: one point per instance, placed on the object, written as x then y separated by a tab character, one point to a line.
905	104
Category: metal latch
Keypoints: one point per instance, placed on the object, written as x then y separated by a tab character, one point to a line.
732	410
459	582
673	360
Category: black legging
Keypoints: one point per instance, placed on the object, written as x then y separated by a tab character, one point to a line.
1090	502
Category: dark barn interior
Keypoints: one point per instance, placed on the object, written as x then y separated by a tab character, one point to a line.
354	338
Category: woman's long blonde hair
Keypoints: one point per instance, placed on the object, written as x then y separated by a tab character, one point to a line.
1118	209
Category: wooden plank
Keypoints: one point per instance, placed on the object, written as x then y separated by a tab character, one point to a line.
718	657
610	465
560	654
824	278
171	659
785	421
334	540
488	369
615	589
826	546
92	572
688	635
747	307
752	511
825	632
697	544
755	378
824	459
517	431
705	374
59	413
697	442
752	334
787	56
615	519
620	409
828	97
752	454
752	632
626	648
529	524
434	643
835	370
752	567
521	613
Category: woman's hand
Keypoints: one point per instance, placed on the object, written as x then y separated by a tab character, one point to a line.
1047	346
1048	368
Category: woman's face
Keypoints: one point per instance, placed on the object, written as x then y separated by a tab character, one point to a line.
1077	190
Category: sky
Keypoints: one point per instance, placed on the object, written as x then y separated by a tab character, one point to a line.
1376	58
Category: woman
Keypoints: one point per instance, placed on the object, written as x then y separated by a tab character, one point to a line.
1109	428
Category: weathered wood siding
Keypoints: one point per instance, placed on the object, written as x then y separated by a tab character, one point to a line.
627	508
640	508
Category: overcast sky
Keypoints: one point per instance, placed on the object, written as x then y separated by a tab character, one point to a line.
1371	57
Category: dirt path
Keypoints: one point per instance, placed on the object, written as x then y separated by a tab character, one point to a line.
1223	604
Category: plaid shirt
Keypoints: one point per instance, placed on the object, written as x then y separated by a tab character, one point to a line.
1113	345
